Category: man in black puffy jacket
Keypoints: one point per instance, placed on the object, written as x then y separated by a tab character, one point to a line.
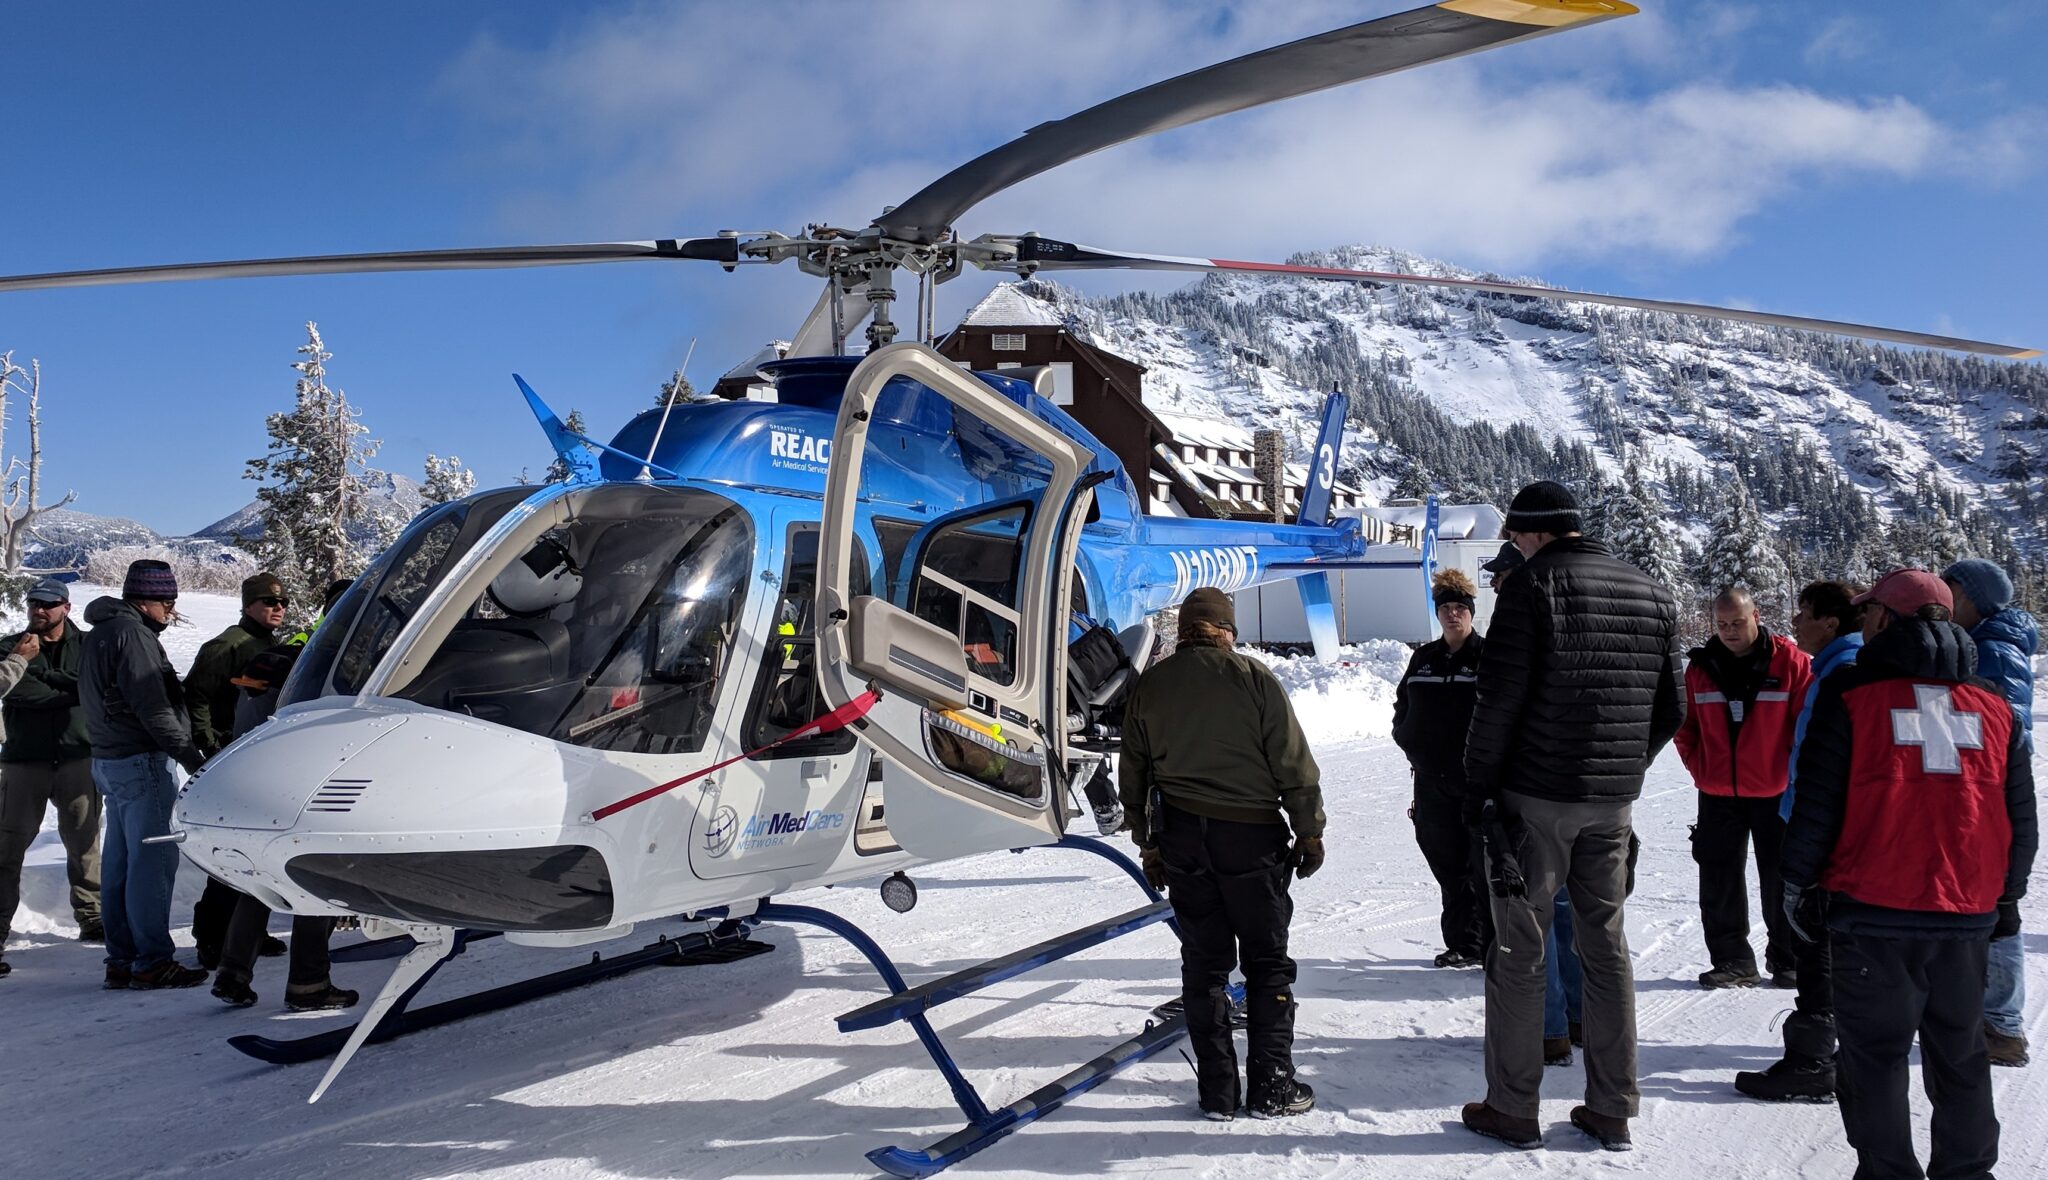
1578	690
1432	712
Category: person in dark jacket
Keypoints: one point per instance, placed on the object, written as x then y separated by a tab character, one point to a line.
2006	638
1432	712
1913	824
136	719
1828	626
210	695
1741	686
46	762
1212	759
308	986
1578	690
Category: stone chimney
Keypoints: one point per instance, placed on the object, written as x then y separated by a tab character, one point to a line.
1269	464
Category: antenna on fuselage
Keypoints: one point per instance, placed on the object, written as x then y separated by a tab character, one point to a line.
668	406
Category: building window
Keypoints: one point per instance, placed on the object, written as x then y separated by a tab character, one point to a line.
1007	341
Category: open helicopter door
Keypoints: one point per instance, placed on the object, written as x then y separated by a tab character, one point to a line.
972	505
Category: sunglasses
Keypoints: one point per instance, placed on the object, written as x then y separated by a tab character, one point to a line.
33	605
272	600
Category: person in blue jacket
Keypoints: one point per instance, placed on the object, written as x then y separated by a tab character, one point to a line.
1828	628
2007	638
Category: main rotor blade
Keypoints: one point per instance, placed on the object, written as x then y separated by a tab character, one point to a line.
1052	255
1444	30
722	250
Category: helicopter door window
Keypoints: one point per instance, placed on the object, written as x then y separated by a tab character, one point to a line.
967	584
397	595
787	696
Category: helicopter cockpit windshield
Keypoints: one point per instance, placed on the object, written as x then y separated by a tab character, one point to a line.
604	619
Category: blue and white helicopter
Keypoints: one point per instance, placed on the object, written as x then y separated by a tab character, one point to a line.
753	647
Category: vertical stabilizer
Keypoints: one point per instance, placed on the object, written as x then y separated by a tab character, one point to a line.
1322	462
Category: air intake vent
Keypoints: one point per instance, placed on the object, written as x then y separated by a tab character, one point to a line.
338	794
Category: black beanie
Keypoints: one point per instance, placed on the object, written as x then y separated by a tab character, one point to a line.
1444	594
1209	605
1545	506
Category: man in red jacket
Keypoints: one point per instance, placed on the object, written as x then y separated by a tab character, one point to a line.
1913	824
1743	691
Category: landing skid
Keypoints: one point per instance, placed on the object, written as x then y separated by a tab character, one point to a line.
908	1004
716	946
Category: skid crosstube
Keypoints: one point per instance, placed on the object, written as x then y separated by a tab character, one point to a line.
690	950
397	946
910	1005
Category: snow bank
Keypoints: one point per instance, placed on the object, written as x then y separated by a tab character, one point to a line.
1348	699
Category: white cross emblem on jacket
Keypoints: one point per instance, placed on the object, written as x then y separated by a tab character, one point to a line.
1940	732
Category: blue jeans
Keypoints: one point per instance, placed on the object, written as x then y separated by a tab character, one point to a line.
2005	986
1564	985
136	878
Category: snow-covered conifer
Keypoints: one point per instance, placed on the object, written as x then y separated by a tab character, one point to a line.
1641	532
447	479
317	522
1740	552
558	471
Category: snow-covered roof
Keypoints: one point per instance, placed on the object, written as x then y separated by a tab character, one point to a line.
1193	430
1453	522
1007	307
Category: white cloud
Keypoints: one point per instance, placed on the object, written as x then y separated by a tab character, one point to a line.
687	120
1843	39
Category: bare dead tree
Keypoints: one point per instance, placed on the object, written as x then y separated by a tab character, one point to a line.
21	502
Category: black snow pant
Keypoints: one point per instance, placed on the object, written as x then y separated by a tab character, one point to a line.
309	965
1810	1030
1728	824
1228	885
1886	991
210	917
1456	860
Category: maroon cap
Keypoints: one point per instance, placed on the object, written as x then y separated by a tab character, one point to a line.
1906	591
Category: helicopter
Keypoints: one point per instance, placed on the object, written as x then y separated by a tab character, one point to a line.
753	647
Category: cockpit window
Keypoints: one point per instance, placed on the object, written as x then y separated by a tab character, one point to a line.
611	631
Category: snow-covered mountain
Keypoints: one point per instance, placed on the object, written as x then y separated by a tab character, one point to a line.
1859	454
394	500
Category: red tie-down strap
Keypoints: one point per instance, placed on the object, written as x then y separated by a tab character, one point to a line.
837	719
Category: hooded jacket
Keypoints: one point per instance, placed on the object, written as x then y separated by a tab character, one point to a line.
1740	716
45	722
1579	684
1916	804
129	689
1433	706
2006	643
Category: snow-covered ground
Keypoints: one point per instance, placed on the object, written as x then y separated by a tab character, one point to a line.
737	1069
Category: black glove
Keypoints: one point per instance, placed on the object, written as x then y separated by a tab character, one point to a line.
1308	856
1807	910
2008	920
1154	865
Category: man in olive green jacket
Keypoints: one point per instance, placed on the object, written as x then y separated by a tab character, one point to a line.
210	695
46	759
1212	758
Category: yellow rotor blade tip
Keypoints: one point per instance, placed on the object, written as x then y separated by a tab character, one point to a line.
1548	13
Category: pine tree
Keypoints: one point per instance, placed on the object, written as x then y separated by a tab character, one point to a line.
1740	553
1641	533
317	523
676	389
447	479
558	471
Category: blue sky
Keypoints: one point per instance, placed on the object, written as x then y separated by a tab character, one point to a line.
1866	162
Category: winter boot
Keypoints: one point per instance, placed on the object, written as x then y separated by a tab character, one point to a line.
1517	1133
1730	975
1456	958
91	930
1277	1095
117	978
318	997
233	990
208	954
167	974
1785	978
1557	1050
1578	1034
271	947
1794	1079
4	968
2005	1050
1610	1131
